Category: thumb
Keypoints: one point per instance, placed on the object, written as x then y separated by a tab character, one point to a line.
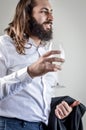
75	103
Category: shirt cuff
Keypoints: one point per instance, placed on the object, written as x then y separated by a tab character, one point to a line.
23	75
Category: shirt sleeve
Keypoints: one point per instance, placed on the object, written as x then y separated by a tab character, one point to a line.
12	83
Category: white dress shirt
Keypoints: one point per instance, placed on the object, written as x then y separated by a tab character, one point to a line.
21	96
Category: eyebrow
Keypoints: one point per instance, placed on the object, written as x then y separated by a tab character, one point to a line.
46	9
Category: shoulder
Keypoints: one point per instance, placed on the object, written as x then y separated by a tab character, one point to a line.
6	46
6	43
5	39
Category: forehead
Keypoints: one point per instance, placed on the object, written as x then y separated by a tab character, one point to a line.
43	4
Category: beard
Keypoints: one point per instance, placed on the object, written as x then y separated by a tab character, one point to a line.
38	30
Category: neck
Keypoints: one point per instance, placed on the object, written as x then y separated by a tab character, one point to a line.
36	40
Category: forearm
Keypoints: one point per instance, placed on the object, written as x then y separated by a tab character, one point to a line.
13	83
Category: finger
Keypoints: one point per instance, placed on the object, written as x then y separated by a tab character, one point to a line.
49	53
64	109
52	67
54	59
58	114
66	106
75	103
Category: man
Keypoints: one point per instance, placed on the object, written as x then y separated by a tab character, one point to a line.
27	69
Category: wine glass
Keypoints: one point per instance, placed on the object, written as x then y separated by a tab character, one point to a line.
59	46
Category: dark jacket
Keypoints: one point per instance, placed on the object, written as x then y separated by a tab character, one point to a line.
71	122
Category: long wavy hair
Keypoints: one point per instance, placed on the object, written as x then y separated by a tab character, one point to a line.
19	29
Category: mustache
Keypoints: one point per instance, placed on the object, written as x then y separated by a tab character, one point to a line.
48	22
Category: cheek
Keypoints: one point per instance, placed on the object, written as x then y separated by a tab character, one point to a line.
40	19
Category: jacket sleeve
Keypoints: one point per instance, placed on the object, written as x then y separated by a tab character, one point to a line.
12	83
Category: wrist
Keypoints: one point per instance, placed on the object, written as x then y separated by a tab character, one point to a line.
30	72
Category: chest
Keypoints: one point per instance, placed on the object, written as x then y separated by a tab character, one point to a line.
18	61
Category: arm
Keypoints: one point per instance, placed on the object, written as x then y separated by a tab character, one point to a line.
13	83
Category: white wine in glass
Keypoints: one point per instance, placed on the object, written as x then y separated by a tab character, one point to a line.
59	46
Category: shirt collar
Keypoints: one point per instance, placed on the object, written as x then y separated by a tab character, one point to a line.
31	42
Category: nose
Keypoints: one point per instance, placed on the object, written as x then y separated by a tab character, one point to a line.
50	16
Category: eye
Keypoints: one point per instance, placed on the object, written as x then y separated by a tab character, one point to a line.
46	11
